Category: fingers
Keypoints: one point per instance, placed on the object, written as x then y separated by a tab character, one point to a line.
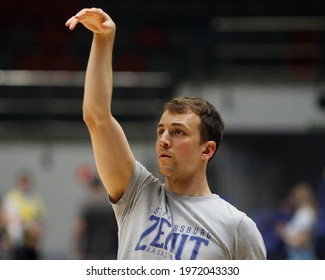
71	23
79	17
95	19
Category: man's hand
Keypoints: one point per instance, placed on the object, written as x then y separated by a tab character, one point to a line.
96	20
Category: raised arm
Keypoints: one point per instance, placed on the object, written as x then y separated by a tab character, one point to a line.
114	159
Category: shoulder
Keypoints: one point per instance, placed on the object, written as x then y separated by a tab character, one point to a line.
245	232
241	221
231	212
141	180
141	176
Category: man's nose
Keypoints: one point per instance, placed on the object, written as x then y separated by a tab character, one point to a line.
164	140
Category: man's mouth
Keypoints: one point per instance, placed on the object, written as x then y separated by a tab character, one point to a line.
164	156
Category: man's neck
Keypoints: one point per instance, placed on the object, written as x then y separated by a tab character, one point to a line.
188	187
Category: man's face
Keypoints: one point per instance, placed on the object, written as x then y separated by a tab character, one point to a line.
178	144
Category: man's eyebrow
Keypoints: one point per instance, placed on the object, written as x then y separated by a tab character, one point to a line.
172	124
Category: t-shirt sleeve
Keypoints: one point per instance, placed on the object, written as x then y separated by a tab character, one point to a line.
136	183
249	244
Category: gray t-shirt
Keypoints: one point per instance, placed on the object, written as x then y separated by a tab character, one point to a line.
157	224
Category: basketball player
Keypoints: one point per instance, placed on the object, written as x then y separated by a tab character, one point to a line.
176	219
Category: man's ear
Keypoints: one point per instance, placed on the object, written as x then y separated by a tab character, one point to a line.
209	149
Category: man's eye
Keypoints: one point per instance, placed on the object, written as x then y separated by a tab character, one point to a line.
160	132
178	132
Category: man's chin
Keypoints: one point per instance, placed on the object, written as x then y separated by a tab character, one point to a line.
165	170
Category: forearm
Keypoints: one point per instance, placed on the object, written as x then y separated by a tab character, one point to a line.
299	239
295	239
99	78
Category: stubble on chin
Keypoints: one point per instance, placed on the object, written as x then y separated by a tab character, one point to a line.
166	170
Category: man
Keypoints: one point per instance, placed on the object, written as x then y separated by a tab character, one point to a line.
178	219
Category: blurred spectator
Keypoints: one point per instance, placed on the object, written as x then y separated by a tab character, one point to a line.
4	238
321	190
321	220
298	234
24	215
95	228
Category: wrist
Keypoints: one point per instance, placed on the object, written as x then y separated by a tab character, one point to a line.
104	39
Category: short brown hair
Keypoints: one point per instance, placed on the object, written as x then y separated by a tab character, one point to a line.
212	125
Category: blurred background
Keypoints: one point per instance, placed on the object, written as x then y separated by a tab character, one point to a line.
260	63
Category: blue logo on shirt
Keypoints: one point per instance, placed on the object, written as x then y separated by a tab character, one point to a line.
168	240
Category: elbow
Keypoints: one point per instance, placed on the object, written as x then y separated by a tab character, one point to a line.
87	118
93	118
87	115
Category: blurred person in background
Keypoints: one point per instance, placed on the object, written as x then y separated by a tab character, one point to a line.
321	215
95	229
24	213
321	190
298	234
5	247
